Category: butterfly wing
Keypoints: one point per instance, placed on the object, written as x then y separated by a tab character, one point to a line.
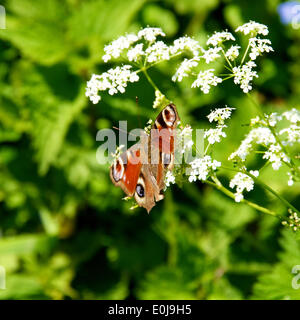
162	143
125	170
131	172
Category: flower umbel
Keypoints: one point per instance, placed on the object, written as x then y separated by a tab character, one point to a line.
205	80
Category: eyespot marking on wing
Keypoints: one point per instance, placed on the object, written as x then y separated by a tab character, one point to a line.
169	115
118	169
140	187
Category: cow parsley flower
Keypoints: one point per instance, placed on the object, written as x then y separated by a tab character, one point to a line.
202	167
185	44
214	135
253	28
116	47
114	80
272	119
185	67
160	100
205	80
135	53
219	115
243	150
184	139
233	52
150	34
219	37
158	51
292	134
169	179
276	156
292	115
241	182
244	74
211	54
259	46
260	135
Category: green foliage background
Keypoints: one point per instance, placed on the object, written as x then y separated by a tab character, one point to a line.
65	233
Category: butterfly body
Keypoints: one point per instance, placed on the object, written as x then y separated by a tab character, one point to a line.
140	170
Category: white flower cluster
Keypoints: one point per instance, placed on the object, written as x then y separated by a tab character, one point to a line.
169	179
184	139
233	52
155	50
218	115
206	79
148	127
291	134
292	115
253	28
211	54
158	51
219	37
184	69
214	135
276	156
243	75
262	135
136	53
144	50
141	49
293	221
242	182
160	99
185	44
259	46
114	80
150	34
114	49
201	168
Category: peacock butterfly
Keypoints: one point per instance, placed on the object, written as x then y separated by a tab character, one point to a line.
140	170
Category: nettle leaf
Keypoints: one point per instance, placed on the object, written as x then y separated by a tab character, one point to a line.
51	128
51	112
33	26
93	19
277	283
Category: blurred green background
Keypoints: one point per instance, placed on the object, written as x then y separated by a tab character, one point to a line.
64	231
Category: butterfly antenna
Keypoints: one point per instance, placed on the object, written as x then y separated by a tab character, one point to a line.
132	134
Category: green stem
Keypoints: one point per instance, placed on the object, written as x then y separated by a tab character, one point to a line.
229	77
258	181
287	204
245	54
227	60
207	148
144	70
231	195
